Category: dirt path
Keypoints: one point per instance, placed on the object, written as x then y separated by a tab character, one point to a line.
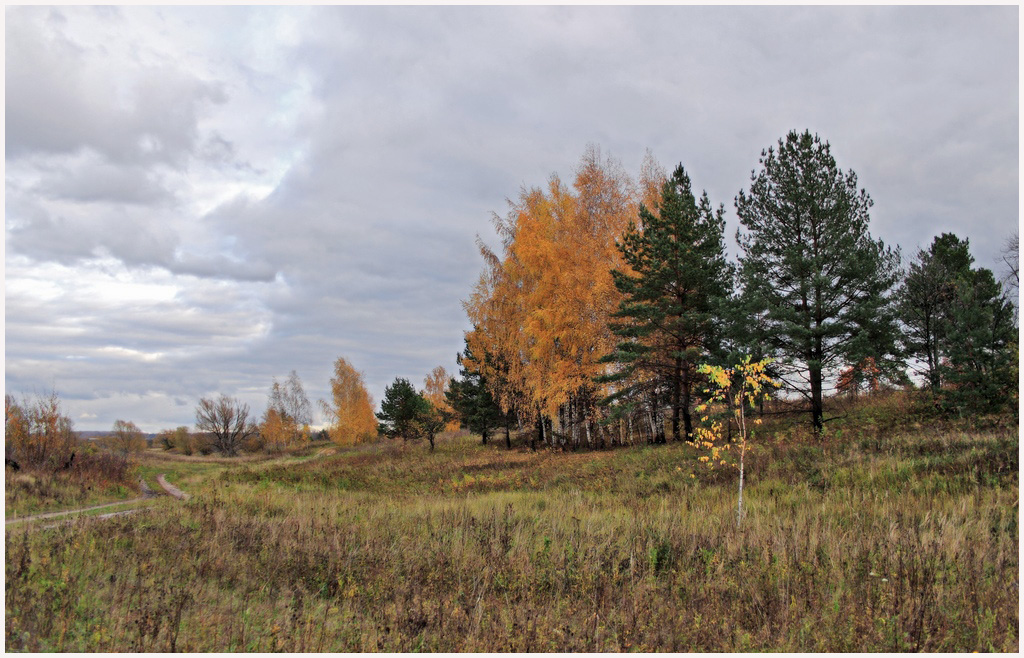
170	488
147	494
146	491
50	515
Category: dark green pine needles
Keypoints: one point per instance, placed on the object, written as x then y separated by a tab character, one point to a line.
817	284
672	297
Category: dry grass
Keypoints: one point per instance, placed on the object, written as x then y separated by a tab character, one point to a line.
885	538
92	477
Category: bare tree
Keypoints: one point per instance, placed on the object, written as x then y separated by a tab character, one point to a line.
1011	258
227	420
288	413
289	399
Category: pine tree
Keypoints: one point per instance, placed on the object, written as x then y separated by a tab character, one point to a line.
811	273
925	302
671	296
982	339
473	402
399	409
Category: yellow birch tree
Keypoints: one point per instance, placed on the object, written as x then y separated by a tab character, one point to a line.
350	413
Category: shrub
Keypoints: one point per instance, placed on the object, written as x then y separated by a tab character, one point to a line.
37	433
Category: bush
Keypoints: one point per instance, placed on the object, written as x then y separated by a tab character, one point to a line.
37	433
39	439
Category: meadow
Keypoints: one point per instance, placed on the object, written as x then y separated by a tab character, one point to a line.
896	531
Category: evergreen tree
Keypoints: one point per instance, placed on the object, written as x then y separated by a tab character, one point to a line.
400	409
814	277
672	292
982	343
925	302
473	403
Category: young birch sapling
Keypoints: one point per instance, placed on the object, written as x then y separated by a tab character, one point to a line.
744	384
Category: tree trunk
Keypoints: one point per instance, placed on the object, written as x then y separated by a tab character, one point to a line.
677	386
932	345
651	416
659	425
508	435
743	451
817	407
571	416
687	419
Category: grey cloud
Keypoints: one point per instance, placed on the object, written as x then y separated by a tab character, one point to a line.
221	267
73	234
59	100
138	235
103	182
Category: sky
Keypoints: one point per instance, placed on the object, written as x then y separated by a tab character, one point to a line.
200	200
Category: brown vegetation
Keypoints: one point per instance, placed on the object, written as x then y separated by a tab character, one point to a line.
227	421
48	467
885	536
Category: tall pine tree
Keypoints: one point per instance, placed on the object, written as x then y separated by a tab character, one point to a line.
817	282
983	355
675	284
925	303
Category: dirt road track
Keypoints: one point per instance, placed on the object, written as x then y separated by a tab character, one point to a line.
51	515
148	494
170	488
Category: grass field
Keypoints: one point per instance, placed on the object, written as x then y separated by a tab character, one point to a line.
896	532
36	492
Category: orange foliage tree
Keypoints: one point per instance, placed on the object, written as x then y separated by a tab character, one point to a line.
276	430
350	413
435	385
863	375
540	309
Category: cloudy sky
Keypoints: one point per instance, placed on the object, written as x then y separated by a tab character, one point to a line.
201	199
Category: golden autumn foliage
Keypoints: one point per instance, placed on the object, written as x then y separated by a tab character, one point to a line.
285	422
435	385
350	414
541	308
745	384
276	430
